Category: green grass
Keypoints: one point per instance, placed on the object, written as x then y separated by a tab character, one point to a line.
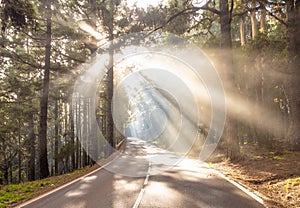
13	193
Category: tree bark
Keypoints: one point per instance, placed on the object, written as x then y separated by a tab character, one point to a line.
79	133
4	167
67	136
242	32
293	42
110	79
227	59
110	124
84	132
31	161
56	137
19	151
253	22
10	170
44	167
72	135
263	19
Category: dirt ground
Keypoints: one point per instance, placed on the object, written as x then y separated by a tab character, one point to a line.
274	176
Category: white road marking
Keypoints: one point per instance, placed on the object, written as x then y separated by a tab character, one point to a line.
139	199
140	196
146	180
239	186
242	188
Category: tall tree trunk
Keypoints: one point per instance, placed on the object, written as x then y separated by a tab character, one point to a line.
79	134
242	32
263	136
31	145
4	168
110	78
253	21
93	141
110	124
227	59
56	136
72	134
19	152
88	130
84	132
263	19
67	136
44	167
293	41
5	173
10	170
31	137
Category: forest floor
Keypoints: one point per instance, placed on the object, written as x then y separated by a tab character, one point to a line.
272	175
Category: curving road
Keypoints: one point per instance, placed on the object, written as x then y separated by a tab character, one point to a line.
156	183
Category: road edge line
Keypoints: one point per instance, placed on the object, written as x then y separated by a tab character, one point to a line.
61	187
239	186
65	185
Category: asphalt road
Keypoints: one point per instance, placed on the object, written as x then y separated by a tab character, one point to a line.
145	176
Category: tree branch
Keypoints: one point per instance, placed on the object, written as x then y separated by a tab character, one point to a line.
14	55
231	9
184	12
246	11
67	56
277	18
